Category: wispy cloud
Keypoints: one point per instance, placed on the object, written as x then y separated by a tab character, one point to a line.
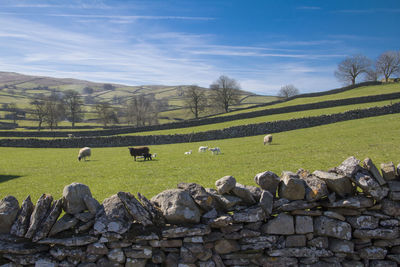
369	11
308	8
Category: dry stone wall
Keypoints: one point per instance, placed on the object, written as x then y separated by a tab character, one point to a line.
346	216
231	132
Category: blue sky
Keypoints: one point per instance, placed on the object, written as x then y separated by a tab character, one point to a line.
263	44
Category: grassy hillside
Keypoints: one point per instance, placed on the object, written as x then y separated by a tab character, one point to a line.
19	89
35	171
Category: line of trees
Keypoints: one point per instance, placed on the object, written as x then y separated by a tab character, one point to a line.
352	67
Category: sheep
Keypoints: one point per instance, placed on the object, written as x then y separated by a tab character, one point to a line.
203	148
215	150
188	152
139	151
84	152
268	139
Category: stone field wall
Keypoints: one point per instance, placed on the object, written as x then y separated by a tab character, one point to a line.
231	132
346	216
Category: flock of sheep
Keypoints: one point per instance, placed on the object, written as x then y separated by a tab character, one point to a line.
144	151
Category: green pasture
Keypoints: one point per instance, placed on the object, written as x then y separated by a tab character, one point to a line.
25	171
357	92
268	118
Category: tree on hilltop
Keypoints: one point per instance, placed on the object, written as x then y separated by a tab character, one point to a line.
388	63
224	92
73	106
351	67
288	91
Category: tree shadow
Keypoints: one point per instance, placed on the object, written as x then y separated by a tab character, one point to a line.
5	178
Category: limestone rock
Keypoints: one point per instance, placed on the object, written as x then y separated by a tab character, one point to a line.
315	188
176	232
177	206
250	215
92	204
357	202
391	208
225	184
304	225
369	185
48	222
325	226
291	187
349	167
243	193
379	233
388	171
225	202
66	222
341	246
76	241
135	208
73	197
370	166
363	222
226	246
267	202
297	205
296	241
199	195
300	252
282	224
21	225
38	214
113	217
156	214
373	253
268	181
9	208
255	191
340	184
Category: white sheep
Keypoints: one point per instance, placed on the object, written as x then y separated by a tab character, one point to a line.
203	148
215	150
268	139
84	152
188	152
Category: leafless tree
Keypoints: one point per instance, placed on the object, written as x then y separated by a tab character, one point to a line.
288	91
351	67
388	63
224	92
105	113
73	106
39	110
195	99
54	110
371	75
142	110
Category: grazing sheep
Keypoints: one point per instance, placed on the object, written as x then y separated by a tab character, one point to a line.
268	139
84	152
203	148
139	151
188	152
147	156
215	150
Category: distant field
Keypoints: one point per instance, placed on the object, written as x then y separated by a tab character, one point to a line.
269	118
26	171
357	92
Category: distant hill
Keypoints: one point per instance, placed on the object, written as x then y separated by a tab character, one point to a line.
19	89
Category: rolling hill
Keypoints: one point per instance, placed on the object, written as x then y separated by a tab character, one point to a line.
19	89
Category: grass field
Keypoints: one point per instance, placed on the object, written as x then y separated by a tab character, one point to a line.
25	171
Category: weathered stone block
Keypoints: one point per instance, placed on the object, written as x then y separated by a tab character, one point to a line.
333	228
226	246
340	184
9	208
225	184
73	197
296	241
370	166
349	167
380	233
291	186
363	222
388	171
268	181
281	225
373	253
304	225
341	246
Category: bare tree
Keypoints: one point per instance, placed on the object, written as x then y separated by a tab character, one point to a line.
39	110
195	100
54	110
388	63
371	75
73	106
288	91
105	113
351	67
142	110
224	91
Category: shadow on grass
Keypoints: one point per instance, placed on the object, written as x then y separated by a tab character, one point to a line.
5	178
